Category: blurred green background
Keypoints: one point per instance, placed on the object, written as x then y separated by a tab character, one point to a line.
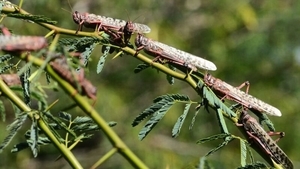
256	40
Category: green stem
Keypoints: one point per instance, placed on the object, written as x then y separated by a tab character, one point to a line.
104	158
89	110
18	102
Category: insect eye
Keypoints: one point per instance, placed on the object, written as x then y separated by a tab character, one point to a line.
77	15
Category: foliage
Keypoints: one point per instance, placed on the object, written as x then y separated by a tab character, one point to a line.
245	31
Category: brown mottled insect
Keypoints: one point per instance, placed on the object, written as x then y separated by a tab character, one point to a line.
176	56
11	79
12	43
127	31
232	93
103	22
260	137
60	66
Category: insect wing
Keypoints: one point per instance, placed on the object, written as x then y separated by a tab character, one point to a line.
141	28
190	60
250	101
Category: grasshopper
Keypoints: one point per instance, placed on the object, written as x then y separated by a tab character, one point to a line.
60	66
12	43
104	23
171	54
227	91
11	79
260	137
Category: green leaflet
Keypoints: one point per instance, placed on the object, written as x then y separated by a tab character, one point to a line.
46	116
21	146
48	77
2	111
89	126
221	121
86	127
65	116
26	86
243	149
170	78
81	44
226	137
82	125
34	137
157	116
177	97
86	54
82	119
194	118
224	143
159	98
84	45
214	137
34	18
5	58
102	59
158	110
250	152
112	123
6	68
68	42
13	129
180	121
146	113
264	119
157	104
59	122
141	67
214	101
211	98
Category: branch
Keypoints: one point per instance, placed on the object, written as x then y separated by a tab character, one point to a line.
21	105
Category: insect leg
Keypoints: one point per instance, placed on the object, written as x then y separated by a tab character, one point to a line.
247	83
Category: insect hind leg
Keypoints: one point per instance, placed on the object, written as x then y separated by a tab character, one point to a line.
247	84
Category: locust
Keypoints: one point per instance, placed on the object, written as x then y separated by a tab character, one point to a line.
60	66
105	23
260	137
171	54
128	30
227	91
11	79
17	43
